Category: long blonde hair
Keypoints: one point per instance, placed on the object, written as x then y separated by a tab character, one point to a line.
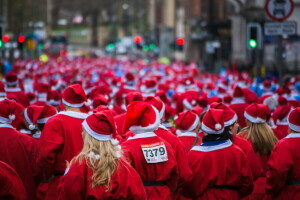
101	156
261	136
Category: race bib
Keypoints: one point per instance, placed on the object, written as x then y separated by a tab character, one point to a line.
155	153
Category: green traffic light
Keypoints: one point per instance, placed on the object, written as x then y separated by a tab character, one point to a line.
252	43
1	43
145	48
111	46
152	46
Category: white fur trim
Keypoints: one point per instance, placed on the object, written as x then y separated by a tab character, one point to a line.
74	114
218	127
149	128
37	134
208	130
2	94
282	123
114	142
294	127
72	105
237	100
44	120
27	132
187	104
27	117
97	136
12	83
187	134
163	127
12	89
31	127
162	111
6	126
255	120
152	89
293	135
193	126
5	120
231	121
224	145
143	135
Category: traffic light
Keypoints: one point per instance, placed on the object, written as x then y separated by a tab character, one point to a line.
5	38
1	33
21	41
138	40
179	43
254	36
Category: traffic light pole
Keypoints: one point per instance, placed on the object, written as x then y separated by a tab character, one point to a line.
279	59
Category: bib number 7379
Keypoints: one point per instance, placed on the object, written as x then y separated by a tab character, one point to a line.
155	153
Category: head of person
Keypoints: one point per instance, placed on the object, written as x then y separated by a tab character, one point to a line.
187	121
7	111
141	117
213	122
293	121
158	104
257	130
100	148
11	80
73	97
229	116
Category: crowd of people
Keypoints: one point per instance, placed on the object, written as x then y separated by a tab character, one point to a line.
106	128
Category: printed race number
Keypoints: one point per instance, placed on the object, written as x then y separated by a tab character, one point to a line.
155	153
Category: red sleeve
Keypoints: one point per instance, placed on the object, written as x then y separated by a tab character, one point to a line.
280	163
11	185
51	142
246	187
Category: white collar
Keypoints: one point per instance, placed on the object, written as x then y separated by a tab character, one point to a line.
142	135
190	134
238	100
224	145
6	126
74	114
12	89
163	127
293	135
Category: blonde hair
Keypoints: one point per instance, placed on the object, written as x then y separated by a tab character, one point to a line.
261	136
101	156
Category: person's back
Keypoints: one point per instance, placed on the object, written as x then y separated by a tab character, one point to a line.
283	175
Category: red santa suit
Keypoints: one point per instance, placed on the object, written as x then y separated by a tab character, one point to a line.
17	150
220	172
120	120
60	141
283	173
189	139
125	184
11	185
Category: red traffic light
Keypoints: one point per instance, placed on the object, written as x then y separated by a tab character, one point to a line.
180	41
21	39
137	39
5	38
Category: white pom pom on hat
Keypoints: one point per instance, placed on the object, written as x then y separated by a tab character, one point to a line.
218	127
12	117
32	127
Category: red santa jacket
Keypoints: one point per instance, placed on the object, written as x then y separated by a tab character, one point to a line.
125	184
10	183
220	172
17	150
283	175
189	139
60	141
159	172
120	120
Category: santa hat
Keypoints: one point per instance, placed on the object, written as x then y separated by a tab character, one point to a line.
238	92
151	85
215	99
7	111
11	79
187	121
141	117
48	112
229	115
158	104
213	122
100	100
257	113
267	85
2	90
101	126
100	108
188	83
250	96
133	96
31	96
74	96
227	99
293	120
53	97
129	77
31	115
198	110
281	113
42	91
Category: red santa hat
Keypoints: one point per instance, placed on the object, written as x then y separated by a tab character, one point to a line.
2	90
11	79
42	91
238	92
187	121
100	100
74	96
129	77
133	96
31	96
215	99
282	101
31	115
141	117
158	104
229	115
48	112
267	84
213	122
101	126
188	83
293	120
250	96
227	99
7	111
151	85
53	97
281	113
257	113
